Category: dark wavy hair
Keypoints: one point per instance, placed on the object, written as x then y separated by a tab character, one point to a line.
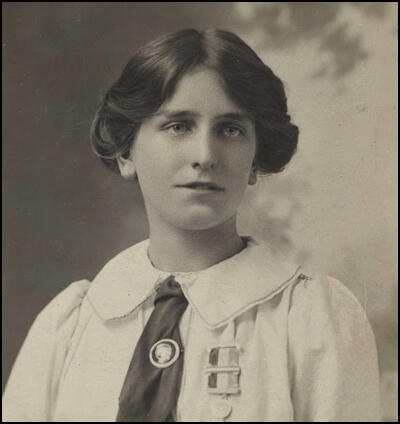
150	78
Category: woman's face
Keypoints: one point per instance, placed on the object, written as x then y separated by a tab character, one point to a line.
199	134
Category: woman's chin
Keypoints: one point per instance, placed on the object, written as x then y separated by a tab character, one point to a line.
198	221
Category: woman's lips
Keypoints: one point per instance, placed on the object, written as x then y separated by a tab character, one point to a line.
201	187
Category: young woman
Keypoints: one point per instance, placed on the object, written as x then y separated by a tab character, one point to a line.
197	323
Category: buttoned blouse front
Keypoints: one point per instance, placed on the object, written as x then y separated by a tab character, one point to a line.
306	349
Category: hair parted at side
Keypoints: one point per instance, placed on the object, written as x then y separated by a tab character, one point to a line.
150	78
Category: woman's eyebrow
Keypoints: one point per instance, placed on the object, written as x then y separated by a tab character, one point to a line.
237	116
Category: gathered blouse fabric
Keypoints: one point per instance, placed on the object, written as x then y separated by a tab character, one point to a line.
306	349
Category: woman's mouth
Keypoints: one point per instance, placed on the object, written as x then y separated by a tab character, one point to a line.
201	186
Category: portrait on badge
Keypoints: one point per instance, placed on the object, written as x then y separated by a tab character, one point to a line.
197	322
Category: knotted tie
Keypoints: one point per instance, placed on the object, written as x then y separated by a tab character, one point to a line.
151	387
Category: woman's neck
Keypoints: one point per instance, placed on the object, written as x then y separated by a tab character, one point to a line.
193	250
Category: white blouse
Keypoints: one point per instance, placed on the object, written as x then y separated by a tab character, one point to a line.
289	347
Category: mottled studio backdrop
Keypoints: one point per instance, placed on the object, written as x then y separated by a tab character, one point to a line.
334	209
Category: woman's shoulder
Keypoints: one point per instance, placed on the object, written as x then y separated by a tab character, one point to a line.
324	312
62	307
39	363
321	291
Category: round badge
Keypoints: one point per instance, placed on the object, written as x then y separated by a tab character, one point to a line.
221	408
164	353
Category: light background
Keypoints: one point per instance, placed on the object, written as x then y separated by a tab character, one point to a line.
334	209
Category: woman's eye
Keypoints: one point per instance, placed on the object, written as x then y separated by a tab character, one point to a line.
178	128
232	132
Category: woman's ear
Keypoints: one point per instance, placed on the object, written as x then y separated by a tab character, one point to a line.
126	166
253	176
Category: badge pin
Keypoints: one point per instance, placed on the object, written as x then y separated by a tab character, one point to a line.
164	353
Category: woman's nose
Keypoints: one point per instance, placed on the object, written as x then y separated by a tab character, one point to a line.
204	153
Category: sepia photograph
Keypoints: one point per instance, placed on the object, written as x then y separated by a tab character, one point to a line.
200	212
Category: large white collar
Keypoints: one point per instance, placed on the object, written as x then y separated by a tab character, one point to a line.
219	293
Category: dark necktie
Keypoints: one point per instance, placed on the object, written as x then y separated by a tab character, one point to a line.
151	387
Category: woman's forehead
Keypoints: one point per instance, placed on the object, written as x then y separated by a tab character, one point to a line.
201	93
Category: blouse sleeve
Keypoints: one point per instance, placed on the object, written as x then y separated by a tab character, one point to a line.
31	388
332	355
